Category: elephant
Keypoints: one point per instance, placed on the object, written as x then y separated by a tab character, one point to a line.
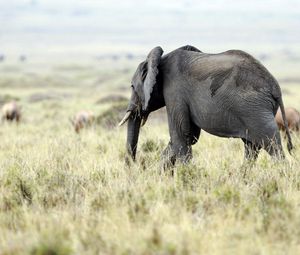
229	94
293	119
11	111
82	119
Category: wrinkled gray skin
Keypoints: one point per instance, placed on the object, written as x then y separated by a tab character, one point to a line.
229	94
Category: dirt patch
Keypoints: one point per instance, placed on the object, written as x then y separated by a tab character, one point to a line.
111	117
7	98
38	97
113	98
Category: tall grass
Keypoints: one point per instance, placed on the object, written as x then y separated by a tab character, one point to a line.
63	193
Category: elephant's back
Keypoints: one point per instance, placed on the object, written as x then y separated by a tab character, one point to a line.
234	74
211	65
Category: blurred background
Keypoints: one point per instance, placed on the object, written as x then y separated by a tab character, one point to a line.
50	32
66	68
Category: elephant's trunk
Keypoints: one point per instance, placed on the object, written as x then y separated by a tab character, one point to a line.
133	131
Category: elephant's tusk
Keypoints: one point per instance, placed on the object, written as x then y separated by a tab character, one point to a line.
126	117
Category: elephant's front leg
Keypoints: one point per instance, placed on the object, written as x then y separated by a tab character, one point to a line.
182	137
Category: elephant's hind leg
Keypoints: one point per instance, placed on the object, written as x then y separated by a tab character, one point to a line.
274	147
266	135
270	139
251	150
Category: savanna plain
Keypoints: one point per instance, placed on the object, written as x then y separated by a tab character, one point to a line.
67	193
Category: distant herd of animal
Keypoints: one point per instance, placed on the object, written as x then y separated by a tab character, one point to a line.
11	111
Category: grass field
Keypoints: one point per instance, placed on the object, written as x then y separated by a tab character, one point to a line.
64	193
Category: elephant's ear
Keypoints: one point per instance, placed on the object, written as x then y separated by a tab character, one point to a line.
153	60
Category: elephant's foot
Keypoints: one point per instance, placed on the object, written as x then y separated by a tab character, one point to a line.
169	157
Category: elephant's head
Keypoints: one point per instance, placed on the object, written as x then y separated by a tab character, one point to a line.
145	97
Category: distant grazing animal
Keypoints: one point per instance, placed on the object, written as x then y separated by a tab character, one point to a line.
82	119
11	111
292	117
22	58
229	94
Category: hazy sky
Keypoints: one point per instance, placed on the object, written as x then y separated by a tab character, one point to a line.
95	26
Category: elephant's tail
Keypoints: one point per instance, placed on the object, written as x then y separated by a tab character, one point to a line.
289	144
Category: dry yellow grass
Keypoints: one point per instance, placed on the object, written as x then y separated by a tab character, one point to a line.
63	193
